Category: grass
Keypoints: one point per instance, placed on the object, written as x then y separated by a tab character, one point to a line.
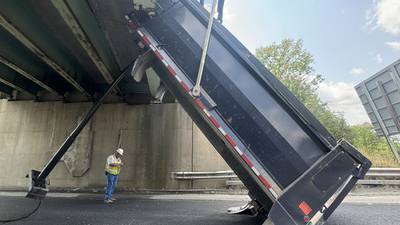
380	158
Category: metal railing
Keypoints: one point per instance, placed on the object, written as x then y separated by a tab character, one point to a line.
376	176
204	175
382	176
383	173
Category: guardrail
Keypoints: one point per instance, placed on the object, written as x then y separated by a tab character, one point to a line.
204	175
382	176
383	172
376	176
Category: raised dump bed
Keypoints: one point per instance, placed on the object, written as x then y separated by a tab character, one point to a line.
295	171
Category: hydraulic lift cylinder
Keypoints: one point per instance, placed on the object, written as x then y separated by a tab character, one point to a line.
38	184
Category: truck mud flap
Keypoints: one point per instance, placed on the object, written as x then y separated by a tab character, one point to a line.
313	197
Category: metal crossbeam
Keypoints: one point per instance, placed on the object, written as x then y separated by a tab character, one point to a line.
68	16
38	185
27	75
18	88
40	53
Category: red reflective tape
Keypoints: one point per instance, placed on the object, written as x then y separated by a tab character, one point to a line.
171	70
214	121
230	140
146	40
185	86
200	104
305	208
159	56
247	160
264	181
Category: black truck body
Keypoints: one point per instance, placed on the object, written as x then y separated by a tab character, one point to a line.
292	166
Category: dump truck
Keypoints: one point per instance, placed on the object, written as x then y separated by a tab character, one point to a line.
294	169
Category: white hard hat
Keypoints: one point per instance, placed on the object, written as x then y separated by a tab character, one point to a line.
120	151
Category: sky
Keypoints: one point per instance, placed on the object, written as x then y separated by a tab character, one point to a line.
350	40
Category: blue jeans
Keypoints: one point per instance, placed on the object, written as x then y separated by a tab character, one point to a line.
111	183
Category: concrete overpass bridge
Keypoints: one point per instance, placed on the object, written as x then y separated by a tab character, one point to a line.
68	50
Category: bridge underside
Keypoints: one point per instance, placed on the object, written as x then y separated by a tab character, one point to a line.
68	50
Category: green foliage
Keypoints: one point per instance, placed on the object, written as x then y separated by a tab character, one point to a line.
365	137
293	66
372	146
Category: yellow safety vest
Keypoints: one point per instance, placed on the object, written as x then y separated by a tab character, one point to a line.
114	170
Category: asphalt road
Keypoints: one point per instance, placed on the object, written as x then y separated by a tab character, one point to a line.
146	210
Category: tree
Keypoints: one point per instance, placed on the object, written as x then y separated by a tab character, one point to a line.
293	66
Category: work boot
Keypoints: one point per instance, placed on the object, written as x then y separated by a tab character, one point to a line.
108	201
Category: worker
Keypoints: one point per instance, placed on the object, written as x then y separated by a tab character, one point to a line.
113	168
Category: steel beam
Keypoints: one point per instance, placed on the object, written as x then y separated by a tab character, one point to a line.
7	25
16	81
38	179
27	75
3	81
68	16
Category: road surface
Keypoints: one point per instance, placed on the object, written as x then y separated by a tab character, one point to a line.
74	209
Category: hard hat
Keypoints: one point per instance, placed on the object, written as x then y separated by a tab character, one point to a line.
120	151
